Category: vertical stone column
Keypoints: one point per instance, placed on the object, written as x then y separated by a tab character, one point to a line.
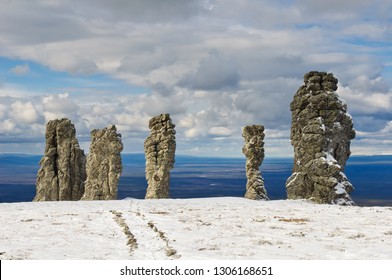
62	172
321	133
104	166
159	149
254	151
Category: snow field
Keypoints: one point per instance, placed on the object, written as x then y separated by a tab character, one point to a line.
191	229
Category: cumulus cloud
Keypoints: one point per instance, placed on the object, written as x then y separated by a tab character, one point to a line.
374	142
366	102
19	115
59	106
214	65
20	121
24	112
7	126
387	128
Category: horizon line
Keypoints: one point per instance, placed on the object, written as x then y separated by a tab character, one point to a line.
203	156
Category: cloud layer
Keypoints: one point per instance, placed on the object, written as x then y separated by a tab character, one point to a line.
214	65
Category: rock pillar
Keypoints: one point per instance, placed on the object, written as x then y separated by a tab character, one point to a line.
159	149
321	133
254	151
104	164
62	172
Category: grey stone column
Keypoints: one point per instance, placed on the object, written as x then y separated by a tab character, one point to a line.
321	133
63	167
104	165
159	147
254	151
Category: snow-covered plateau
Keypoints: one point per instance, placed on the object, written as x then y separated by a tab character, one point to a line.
190	229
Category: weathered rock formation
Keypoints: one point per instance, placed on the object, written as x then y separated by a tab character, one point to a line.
159	147
254	151
62	172
104	165
321	132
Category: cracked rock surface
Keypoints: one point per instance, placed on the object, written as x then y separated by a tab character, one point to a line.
321	133
104	166
62	168
159	149
254	151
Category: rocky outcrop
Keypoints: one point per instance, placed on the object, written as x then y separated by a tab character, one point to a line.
62	172
104	165
254	151
321	132
159	149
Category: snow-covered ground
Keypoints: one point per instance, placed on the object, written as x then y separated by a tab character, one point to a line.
210	228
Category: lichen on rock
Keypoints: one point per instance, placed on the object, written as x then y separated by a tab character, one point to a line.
321	133
104	165
159	149
62	168
254	151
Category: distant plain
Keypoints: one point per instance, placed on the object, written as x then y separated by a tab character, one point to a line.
197	177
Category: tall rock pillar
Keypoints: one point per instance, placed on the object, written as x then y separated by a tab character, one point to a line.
104	166
254	151
159	149
321	133
62	172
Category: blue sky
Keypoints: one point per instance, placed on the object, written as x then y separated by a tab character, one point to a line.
214	65
42	80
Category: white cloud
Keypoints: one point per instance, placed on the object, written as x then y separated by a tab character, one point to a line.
370	30
387	128
186	122
192	133
214	65
366	84
328	58
24	112
365	102
371	146
62	59
7	126
20	70
131	122
220	131
59	106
